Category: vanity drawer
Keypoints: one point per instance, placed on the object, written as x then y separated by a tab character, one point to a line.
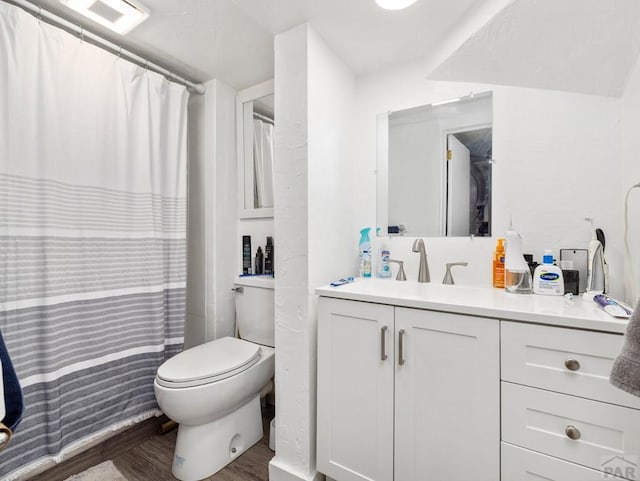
569	361
519	464
578	430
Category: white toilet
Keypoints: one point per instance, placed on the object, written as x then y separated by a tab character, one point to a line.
213	390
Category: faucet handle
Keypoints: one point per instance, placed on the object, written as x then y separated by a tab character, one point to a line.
448	278
401	275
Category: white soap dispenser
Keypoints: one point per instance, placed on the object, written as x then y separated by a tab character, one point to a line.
547	278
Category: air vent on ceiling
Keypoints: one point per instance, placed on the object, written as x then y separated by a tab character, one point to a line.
106	12
119	15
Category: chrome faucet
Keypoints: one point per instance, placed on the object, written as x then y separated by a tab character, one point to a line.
448	278
423	271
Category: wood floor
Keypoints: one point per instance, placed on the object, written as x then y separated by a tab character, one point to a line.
141	454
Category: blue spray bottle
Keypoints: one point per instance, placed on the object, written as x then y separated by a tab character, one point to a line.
365	253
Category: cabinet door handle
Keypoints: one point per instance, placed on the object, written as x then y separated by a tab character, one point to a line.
401	347
573	432
383	343
572	364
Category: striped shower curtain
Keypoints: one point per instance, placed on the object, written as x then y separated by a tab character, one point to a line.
92	235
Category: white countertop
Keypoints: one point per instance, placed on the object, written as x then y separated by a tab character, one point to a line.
480	301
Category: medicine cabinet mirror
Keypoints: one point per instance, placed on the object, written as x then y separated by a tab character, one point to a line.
255	122
434	167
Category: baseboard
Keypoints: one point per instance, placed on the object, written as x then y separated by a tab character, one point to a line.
280	472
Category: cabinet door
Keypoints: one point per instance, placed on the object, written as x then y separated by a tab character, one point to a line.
355	390
447	411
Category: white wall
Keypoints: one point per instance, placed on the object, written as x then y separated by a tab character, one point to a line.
212	226
314	94
549	147
222	202
196	308
631	172
333	177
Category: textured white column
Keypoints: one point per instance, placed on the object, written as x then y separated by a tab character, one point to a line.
314	229
294	390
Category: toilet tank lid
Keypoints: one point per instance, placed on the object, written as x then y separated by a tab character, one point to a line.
208	360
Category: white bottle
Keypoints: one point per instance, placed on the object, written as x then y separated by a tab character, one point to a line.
384	269
547	278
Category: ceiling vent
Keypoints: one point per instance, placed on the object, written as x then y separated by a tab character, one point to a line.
121	16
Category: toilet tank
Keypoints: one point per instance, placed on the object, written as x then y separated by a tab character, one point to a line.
255	309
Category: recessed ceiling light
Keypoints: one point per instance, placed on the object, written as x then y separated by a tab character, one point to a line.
119	15
395	4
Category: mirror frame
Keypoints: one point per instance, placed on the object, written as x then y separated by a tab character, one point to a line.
244	99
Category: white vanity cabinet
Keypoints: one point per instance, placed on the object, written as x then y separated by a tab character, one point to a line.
561	419
424	382
355	390
406	394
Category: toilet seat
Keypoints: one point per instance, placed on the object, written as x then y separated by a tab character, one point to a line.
208	363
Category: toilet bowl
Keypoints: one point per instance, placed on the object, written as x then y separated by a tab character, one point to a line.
213	390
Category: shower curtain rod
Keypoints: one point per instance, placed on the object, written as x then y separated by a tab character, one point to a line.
264	118
103	43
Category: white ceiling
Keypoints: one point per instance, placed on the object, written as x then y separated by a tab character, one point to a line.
233	39
586	46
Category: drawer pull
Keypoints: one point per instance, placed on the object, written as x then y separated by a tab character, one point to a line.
573	432
572	364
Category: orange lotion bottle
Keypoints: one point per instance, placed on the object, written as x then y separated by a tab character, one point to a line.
498	265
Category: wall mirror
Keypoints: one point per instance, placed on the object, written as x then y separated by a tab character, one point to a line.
434	167
255	123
